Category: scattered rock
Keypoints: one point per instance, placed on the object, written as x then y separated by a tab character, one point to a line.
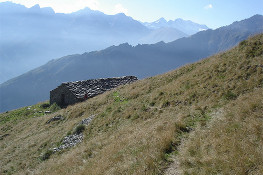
45	105
87	121
69	141
73	139
56	118
178	102
47	112
174	168
3	136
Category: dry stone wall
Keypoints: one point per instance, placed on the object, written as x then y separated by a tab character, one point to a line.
62	96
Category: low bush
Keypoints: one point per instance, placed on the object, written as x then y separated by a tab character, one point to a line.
47	155
79	129
45	105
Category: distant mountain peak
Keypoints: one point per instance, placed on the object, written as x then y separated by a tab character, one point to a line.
161	20
180	19
37	9
9	3
35	6
48	9
8	7
123	46
185	26
87	11
121	14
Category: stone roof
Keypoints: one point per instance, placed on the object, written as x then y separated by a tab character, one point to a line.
94	87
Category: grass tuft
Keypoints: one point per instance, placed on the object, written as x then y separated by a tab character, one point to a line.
79	129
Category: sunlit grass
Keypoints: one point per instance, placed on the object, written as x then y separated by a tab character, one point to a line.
139	126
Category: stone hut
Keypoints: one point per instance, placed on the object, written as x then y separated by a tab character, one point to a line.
73	92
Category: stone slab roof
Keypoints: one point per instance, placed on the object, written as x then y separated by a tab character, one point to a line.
94	87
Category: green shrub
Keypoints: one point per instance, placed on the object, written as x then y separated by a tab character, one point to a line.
136	116
165	104
79	129
103	114
47	155
243	43
45	105
144	108
161	93
69	133
109	109
54	107
152	103
230	95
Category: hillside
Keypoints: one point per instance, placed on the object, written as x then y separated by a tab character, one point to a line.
115	61
203	118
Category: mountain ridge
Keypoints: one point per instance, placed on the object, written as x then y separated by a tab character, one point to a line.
186	26
27	34
141	61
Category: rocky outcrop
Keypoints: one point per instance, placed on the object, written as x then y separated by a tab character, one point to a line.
69	141
56	118
75	138
87	121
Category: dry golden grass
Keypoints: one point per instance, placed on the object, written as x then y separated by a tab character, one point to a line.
138	126
231	144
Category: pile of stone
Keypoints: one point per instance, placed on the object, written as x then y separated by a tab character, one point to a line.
56	118
69	141
87	121
73	139
47	112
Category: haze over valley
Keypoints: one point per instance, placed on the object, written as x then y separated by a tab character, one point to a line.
140	60
33	36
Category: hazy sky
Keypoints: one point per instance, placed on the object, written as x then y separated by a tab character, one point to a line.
213	13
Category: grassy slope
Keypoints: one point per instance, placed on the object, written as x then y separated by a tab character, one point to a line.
139	126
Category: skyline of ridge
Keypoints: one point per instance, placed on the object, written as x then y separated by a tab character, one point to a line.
212	13
123	60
